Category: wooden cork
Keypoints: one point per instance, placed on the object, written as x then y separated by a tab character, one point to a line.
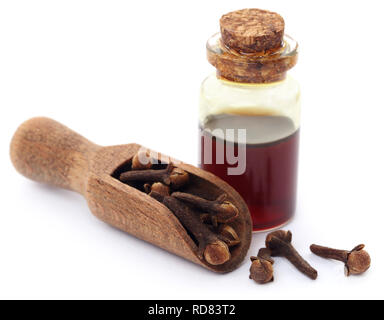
252	30
252	47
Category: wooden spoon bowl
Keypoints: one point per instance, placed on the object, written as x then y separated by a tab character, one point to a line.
48	152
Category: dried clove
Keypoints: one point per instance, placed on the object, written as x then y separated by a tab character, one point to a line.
279	242
223	210
356	261
231	237
178	178
157	187
217	253
141	161
261	270
172	176
210	245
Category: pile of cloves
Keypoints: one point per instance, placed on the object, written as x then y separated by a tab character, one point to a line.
207	220
278	244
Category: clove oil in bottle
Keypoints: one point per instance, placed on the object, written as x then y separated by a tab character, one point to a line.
250	114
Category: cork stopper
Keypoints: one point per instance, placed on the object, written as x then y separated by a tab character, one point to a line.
252	30
252	47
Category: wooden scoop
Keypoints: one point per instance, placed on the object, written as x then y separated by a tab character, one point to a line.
46	151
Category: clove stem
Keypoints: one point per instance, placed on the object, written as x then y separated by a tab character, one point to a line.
329	253
294	257
279	242
171	175
148	175
224	210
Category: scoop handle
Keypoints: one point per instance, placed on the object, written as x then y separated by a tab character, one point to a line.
46	151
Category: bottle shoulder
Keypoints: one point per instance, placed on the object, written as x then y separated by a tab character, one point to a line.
278	98
212	87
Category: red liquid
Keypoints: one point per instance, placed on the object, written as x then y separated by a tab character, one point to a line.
268	184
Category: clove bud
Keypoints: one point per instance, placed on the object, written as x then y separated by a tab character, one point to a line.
217	253
231	237
141	161
279	242
261	270
356	261
178	178
157	187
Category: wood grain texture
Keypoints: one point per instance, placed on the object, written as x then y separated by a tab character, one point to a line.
46	151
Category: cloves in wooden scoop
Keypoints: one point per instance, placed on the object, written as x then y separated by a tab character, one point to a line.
211	246
48	152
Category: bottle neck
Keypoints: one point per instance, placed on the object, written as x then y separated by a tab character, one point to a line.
257	68
252	79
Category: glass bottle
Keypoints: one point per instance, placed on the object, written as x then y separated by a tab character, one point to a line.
250	114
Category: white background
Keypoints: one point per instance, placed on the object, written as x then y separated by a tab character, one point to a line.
123	71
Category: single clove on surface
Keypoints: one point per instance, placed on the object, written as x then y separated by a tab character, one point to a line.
279	242
222	210
211	246
171	175
261	270
356	261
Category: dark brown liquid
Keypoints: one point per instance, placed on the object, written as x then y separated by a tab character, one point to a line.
268	184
